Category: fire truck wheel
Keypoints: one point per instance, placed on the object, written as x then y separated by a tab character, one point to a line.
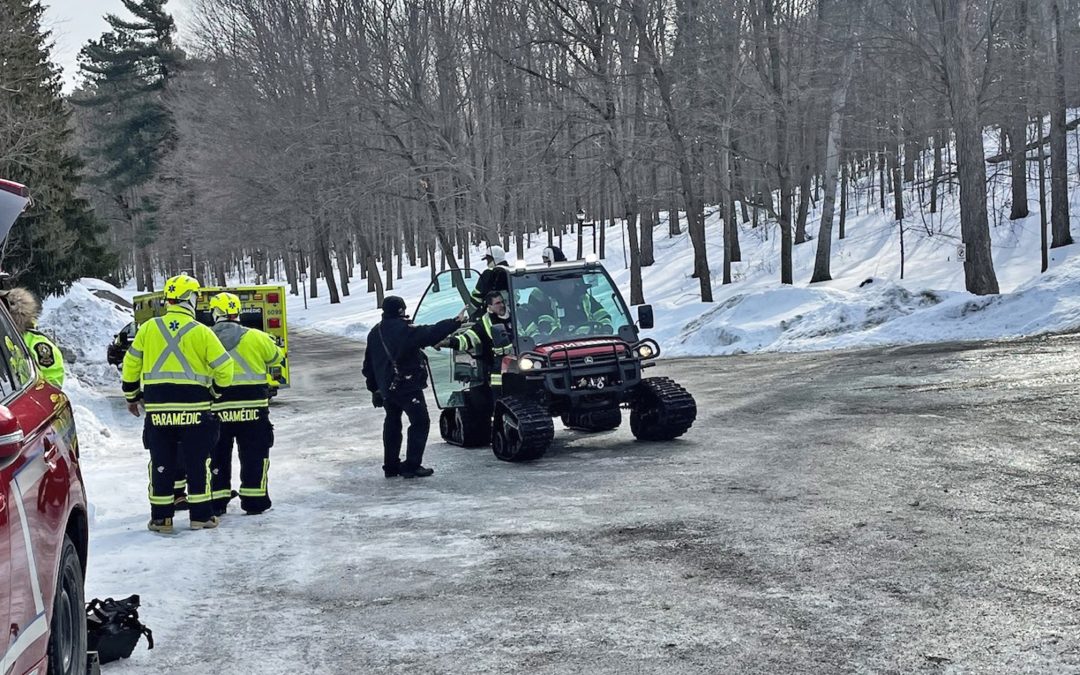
67	632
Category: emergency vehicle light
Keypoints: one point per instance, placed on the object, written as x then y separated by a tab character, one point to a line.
274	323
272	297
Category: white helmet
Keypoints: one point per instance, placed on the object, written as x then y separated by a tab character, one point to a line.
496	255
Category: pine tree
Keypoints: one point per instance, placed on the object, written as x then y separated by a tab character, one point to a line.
57	240
127	74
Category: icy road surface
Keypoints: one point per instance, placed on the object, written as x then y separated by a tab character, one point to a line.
901	510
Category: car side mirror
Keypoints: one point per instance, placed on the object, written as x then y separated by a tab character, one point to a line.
499	337
645	317
11	434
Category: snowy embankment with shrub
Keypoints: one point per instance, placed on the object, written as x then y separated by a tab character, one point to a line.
866	304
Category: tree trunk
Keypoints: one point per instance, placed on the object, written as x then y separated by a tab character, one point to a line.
373	273
979	273
290	273
822	270
804	203
1043	221
1059	166
328	269
647	224
388	265
343	267
783	168
882	160
897	182
730	229
939	143
1018	115
674	228
843	199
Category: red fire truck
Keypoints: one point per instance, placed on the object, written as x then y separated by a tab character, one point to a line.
43	521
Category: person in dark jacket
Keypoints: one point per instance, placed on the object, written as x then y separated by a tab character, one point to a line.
552	254
491	279
396	373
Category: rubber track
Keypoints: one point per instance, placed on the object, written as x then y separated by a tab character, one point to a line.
534	424
678	406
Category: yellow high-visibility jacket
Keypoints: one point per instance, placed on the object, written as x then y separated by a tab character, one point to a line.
253	353
48	357
175	364
478	341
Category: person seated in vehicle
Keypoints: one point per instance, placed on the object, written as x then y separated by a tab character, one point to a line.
492	279
536	317
479	340
25	309
578	312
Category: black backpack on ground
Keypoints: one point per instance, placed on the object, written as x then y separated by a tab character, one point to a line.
113	628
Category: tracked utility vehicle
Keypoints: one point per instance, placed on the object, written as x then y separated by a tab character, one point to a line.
577	355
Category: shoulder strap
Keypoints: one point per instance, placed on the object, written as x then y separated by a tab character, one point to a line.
386	349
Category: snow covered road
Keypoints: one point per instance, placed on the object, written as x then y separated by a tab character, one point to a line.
893	510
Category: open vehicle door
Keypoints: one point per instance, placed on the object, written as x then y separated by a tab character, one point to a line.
13	199
443	299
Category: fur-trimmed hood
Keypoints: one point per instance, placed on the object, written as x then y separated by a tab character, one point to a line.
23	306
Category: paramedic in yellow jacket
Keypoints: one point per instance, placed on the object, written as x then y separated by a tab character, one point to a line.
25	309
173	368
243	410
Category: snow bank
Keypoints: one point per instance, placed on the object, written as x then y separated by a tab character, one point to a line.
83	324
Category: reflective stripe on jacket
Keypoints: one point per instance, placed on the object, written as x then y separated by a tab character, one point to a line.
478	340
174	362
253	353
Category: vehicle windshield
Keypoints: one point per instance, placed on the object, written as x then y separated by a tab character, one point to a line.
556	306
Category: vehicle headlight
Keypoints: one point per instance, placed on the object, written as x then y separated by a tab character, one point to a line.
646	350
525	363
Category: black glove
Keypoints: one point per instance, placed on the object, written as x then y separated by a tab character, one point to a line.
376	399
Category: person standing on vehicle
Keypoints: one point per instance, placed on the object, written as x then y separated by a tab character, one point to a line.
489	280
395	370
243	410
173	367
25	309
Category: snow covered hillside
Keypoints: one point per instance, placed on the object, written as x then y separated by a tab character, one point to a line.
866	304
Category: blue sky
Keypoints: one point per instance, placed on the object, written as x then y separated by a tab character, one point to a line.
73	22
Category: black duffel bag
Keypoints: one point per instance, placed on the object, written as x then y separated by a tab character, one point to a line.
113	628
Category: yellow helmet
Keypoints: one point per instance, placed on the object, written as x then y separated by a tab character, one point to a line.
181	287
224	304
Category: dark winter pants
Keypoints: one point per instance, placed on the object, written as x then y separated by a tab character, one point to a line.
254	438
175	449
415	407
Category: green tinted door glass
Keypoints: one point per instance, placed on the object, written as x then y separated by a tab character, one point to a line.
444	298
